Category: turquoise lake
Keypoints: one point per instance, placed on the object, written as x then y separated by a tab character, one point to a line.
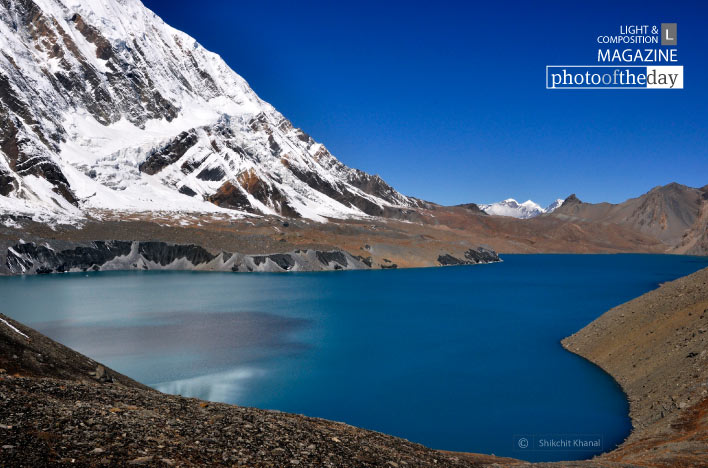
458	358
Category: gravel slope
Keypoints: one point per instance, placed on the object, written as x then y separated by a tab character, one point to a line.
656	347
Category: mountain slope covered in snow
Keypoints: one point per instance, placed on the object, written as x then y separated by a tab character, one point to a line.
103	106
514	209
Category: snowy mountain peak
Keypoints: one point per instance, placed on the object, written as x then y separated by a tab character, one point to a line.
510	207
555	205
103	106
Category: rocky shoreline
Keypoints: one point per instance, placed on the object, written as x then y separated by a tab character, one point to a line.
252	245
60	408
656	348
27	258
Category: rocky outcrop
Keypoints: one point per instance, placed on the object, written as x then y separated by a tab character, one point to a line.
284	261
170	153
338	259
165	254
27	258
482	255
31	258
472	207
7	184
471	257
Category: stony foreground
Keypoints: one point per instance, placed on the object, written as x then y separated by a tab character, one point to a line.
60	408
47	420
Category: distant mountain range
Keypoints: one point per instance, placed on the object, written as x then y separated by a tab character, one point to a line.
674	214
525	210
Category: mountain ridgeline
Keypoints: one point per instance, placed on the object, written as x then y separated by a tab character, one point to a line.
674	214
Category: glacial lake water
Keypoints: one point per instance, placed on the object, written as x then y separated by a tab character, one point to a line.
458	358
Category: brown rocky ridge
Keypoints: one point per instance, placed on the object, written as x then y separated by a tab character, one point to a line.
674	214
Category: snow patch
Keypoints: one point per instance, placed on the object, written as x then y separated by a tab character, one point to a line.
13	328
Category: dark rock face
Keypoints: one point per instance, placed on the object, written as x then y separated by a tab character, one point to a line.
448	259
26	156
365	260
284	261
265	193
372	184
231	196
187	191
482	255
12	103
472	257
7	184
474	208
191	165
337	192
571	200
40	259
164	254
25	257
104	50
168	154
332	257
213	174
64	256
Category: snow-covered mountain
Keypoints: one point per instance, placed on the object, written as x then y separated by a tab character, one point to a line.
525	210
555	205
103	106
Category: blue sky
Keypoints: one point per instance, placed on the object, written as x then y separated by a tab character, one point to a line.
447	100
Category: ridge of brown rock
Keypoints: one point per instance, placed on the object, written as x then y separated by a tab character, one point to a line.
674	214
656	347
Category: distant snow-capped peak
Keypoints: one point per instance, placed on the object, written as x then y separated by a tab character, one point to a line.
514	209
555	205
